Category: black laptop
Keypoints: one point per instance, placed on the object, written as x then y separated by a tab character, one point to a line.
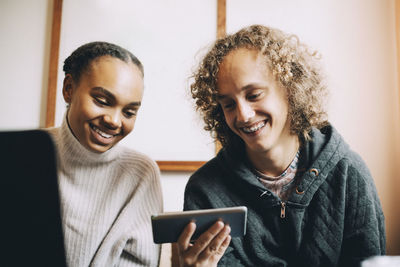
30	223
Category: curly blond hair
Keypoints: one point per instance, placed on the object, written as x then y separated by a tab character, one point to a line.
290	62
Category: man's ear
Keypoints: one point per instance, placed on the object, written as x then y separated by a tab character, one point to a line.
68	88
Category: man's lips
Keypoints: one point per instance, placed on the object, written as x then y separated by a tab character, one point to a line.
254	127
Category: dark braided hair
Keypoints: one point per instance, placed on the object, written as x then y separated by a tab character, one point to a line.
81	58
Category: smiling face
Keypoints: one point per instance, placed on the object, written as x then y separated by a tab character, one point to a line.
103	105
254	103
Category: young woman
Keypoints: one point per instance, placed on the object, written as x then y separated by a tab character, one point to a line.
108	192
311	200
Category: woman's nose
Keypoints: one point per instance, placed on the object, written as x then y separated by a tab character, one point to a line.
112	119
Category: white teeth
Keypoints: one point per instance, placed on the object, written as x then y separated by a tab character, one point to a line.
103	134
254	128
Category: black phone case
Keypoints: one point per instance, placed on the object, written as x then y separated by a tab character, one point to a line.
167	227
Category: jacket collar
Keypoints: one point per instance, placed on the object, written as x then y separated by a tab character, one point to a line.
317	157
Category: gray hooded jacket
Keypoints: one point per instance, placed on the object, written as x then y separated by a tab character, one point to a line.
334	218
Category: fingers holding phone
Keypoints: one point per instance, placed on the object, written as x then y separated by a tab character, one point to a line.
208	249
212	230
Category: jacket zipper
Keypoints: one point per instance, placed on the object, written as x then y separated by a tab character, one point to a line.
283	210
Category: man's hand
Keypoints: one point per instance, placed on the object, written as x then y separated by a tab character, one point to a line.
208	249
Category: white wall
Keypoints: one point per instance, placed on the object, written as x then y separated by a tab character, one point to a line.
355	38
161	34
23	62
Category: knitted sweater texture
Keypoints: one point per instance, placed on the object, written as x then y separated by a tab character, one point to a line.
107	200
334	218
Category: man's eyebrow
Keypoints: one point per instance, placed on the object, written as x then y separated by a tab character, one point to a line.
220	97
254	86
244	88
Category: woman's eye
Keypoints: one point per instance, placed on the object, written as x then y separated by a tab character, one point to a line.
101	101
130	113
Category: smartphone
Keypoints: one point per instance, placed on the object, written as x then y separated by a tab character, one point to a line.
168	226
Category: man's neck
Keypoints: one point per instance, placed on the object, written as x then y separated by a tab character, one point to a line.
276	160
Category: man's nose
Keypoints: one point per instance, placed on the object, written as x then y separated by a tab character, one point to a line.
244	112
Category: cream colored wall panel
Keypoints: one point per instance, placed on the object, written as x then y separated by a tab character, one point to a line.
166	36
23	73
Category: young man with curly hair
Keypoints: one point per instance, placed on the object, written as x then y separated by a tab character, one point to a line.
311	200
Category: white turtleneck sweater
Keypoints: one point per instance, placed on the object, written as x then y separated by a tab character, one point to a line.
107	200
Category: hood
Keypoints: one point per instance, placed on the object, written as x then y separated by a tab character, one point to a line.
317	158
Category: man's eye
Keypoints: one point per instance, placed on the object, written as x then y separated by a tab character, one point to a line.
228	105
253	96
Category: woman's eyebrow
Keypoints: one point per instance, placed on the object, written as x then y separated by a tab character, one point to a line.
112	97
135	104
103	91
